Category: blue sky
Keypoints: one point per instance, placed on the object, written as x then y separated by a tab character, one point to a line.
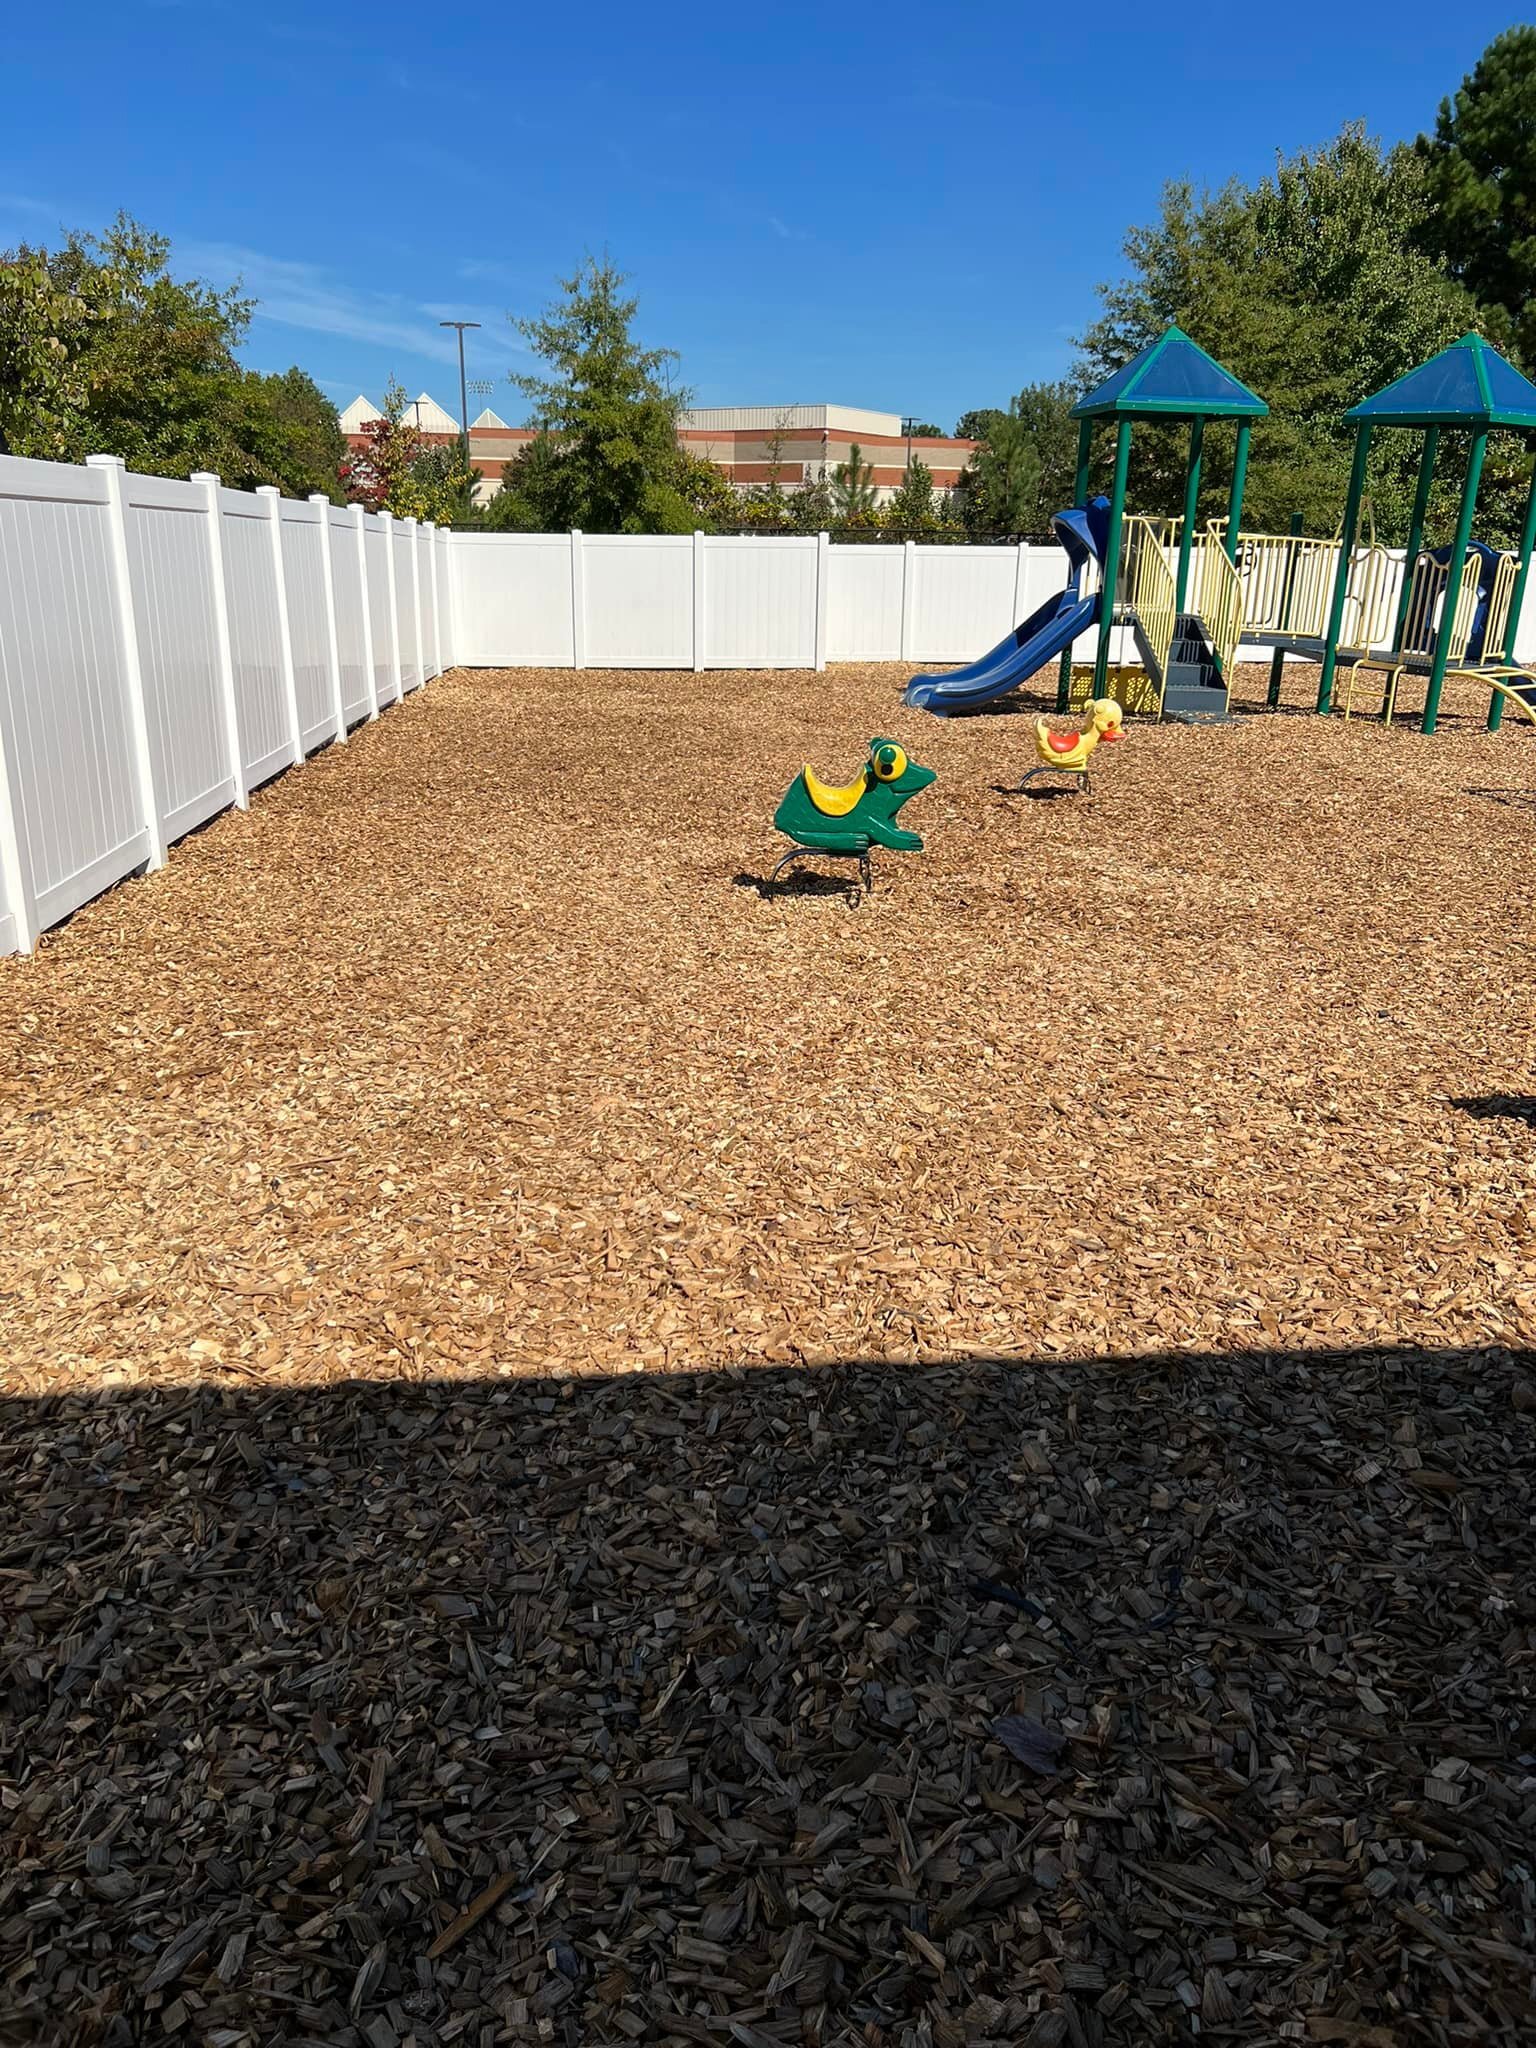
887	205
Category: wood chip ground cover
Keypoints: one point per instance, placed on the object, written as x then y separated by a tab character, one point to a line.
590	1458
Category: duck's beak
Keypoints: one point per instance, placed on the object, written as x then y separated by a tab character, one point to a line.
1113	733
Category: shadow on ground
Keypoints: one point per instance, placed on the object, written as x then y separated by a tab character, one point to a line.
666	1708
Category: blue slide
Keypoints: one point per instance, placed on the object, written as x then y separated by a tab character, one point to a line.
1043	635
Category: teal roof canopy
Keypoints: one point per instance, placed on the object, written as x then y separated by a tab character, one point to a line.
1468	384
1173	377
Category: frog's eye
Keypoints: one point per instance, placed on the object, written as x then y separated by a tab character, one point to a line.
890	762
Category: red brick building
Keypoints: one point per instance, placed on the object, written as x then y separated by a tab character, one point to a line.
748	444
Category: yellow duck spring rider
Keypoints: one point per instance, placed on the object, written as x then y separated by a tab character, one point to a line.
1068	753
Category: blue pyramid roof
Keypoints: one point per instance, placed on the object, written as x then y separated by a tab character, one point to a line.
1467	384
1172	377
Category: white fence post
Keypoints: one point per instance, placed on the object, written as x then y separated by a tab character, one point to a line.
111	469
360	521
413	531
823	566
394	609
578	604
434	549
332	642
698	600
445	614
229	704
273	500
14	880
1020	582
908	595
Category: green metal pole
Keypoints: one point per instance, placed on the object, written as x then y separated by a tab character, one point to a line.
1235	495
1191	500
1112	554
1516	600
1277	659
1346	557
1453	578
1415	532
1079	497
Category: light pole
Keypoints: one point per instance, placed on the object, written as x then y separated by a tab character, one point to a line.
463	394
908	423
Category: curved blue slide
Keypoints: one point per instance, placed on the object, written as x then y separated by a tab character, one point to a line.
1043	635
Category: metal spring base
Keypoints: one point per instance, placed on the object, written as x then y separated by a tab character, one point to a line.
1079	775
866	872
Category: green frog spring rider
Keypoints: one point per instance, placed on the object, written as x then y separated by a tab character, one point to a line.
845	823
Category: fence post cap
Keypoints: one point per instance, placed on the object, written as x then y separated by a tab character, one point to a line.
204	476
105	462
318	498
268	491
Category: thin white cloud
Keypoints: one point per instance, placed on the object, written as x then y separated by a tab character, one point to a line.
303	295
33	209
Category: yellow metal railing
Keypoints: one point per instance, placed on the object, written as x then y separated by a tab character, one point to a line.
1499	599
1217	598
1147	589
1367	620
1426	596
1287	582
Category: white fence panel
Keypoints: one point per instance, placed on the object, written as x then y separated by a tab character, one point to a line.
351	619
512	600
304	582
255	635
174	613
760	602
637	596
76	820
405	606
381	611
962	601
864	603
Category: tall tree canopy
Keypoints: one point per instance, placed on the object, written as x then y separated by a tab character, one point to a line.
1481	166
1312	288
1024	470
610	463
102	350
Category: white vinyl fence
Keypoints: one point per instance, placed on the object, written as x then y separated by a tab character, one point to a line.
166	647
706	601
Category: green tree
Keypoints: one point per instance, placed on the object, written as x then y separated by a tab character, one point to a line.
925	430
853	488
977	425
913	506
439	485
1481	181
530	497
1311	287
285	432
378	475
102	350
1008	474
608	404
813	508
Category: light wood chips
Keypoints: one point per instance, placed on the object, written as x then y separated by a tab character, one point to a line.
590	1458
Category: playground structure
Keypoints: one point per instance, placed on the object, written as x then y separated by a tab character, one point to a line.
1190	597
1183	606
